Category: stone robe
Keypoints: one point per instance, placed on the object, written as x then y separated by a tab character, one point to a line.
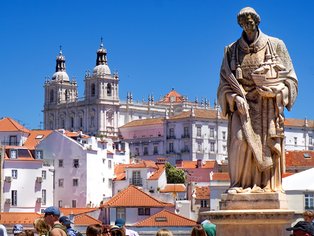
255	141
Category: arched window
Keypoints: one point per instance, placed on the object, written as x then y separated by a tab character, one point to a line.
51	95
93	90
66	95
109	90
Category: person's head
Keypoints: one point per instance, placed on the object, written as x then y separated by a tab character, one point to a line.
248	19
308	216
302	228
164	232
116	230
94	230
198	231
17	228
41	227
120	222
52	215
64	220
29	232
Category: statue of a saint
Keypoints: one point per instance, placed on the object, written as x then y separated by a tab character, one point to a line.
257	81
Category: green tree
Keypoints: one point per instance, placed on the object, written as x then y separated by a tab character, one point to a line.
174	175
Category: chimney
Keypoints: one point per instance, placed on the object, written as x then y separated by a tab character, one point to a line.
179	163
198	163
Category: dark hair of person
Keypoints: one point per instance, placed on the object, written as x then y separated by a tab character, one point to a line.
94	230
198	230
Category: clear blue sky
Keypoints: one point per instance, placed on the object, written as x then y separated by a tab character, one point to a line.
155	45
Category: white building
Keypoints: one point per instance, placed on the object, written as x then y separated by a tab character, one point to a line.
26	180
83	171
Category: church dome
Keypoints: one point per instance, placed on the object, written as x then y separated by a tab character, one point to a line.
60	75
102	70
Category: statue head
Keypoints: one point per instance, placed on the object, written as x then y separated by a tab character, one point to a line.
248	11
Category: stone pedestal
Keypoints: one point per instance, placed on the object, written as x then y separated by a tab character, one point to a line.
250	222
251	214
252	201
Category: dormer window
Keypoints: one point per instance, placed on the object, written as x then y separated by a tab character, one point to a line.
39	154
13	154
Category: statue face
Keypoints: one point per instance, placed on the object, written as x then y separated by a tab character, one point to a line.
248	24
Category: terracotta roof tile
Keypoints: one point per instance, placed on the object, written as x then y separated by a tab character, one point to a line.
142	164
134	197
165	218
22	153
173	188
156	175
173	96
9	125
76	211
299	122
119	172
8	218
35	137
86	220
202	192
300	159
144	122
198	113
193	164
223	176
198	175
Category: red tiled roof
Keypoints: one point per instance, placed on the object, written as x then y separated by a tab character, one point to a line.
119	171
298	122
202	192
134	197
76	211
173	188
8	218
144	122
142	164
178	98
22	153
300	159
35	137
166	218
198	113
85	219
223	176
158	172
10	125
193	164
198	175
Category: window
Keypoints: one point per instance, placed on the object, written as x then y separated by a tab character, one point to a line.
92	121
155	150
309	201
145	150
61	182
109	164
75	182
143	211
120	213
81	122
73	203
186	131
14	174
295	140
137	152
109	183
171	132
136	178
199	146
13	140
60	203
39	154
13	154
224	148
204	203
60	163
72	122
109	90
198	131
51	95
171	149
43	196
76	163
14	197
93	90
212	147
224	135
44	174
211	132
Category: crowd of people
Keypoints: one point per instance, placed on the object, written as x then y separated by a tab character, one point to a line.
53	224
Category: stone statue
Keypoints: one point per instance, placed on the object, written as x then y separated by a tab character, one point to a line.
257	81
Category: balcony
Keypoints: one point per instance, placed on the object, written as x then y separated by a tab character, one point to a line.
185	136
171	137
136	181
185	150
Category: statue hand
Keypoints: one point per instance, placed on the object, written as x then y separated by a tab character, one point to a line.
266	92
241	105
